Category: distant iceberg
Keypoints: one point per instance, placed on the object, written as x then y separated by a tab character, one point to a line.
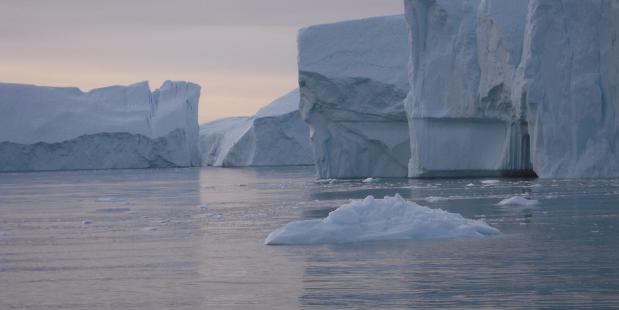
275	136
353	81
370	219
54	128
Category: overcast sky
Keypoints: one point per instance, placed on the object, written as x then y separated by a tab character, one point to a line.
242	52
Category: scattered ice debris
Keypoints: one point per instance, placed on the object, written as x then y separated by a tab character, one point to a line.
433	199
203	207
109	199
369	180
470	185
370	219
518	201
490	182
112	210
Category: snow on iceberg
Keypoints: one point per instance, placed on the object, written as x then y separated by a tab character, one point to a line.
518	201
353	81
54	128
370	219
464	56
275	136
568	84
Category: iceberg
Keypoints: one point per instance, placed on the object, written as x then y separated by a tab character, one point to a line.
464	57
568	84
275	136
514	88
370	219
54	128
353	80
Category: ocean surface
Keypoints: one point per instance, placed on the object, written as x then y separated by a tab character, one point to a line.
193	239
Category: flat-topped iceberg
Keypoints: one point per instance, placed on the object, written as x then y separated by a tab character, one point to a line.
353	81
275	136
53	128
370	219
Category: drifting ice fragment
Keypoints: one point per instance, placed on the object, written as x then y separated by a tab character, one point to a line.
518	201
370	219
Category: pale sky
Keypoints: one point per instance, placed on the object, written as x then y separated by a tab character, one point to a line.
242	52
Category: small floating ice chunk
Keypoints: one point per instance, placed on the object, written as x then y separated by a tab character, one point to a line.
490	182
203	207
109	199
518	201
149	228
433	199
86	222
470	185
113	210
370	219
369	180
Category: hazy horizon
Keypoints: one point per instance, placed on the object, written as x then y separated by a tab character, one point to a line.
242	52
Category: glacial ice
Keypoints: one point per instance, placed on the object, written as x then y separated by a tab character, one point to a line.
53	128
503	87
353	81
370	219
568	84
275	136
464	56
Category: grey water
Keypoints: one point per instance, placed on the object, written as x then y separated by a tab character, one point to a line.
193	239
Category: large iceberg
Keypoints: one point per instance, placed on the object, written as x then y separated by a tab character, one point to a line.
391	218
502	87
353	80
53	128
275	136
464	56
568	84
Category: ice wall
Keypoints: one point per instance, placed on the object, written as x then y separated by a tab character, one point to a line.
353	81
53	128
275	136
462	120
568	84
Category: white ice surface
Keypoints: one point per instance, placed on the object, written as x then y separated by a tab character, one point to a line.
464	56
518	201
353	81
275	136
370	219
568	83
54	128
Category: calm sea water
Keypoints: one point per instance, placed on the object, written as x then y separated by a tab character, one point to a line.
192	239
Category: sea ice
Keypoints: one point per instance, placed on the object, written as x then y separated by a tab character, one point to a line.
370	219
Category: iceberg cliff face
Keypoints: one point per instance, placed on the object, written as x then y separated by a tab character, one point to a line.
275	136
464	56
568	84
52	128
353	81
